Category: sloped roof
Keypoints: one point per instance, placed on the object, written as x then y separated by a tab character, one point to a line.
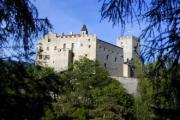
84	28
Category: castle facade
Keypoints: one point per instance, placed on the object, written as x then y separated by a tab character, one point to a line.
59	52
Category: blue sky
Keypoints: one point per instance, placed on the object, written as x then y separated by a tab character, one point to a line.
69	16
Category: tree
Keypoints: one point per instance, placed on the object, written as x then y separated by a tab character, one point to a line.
19	27
90	94
26	90
159	40
161	35
155	97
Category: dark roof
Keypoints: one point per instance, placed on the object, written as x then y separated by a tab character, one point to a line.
109	43
84	28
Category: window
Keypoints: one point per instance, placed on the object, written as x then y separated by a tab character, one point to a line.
59	50
49	40
40	56
40	49
64	46
86	55
47	57
72	46
112	51
105	65
81	44
89	40
55	47
107	57
47	48
115	59
104	49
89	46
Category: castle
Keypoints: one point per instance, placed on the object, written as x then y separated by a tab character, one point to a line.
59	52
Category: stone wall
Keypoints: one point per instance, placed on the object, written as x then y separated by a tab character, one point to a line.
130	84
110	57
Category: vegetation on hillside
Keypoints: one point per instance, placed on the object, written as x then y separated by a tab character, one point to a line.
156	96
26	90
84	92
89	93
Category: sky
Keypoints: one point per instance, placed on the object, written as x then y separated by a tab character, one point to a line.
69	16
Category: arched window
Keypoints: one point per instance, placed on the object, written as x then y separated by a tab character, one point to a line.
72	46
64	46
55	47
107	57
105	65
115	59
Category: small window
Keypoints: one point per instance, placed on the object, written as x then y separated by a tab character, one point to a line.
107	57
49	40
99	46
104	49
112	51
59	50
40	56
81	44
55	47
89	46
40	49
105	65
89	40
86	55
72	46
47	57
64	46
115	59
47	48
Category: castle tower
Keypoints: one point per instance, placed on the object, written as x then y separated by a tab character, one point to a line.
131	50
130	45
84	30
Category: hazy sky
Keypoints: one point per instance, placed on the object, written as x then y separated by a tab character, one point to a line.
69	16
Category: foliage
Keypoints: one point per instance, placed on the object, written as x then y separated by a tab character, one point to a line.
26	90
19	26
156	97
144	96
160	46
161	33
90	94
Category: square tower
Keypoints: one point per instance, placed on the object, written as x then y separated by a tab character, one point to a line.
130	45
131	50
